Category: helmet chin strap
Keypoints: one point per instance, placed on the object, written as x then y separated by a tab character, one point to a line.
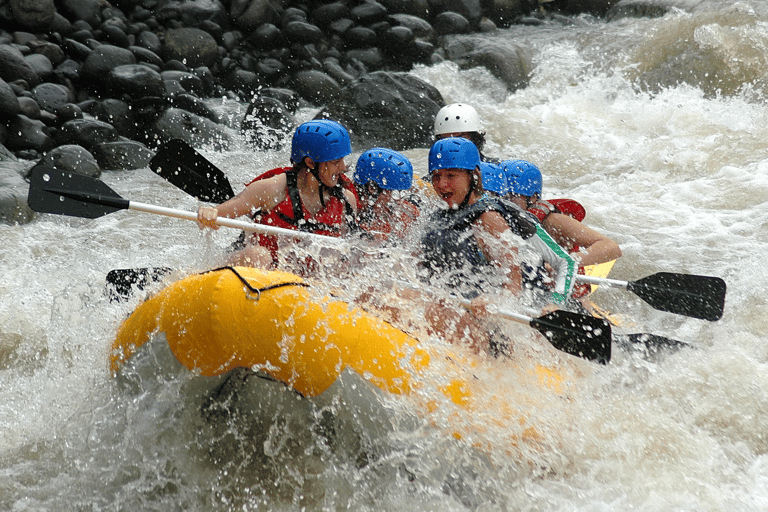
472	187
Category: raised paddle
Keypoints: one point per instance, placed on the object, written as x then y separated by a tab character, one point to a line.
67	193
179	163
579	335
694	296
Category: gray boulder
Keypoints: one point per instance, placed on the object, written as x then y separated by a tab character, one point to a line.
13	194
394	110
86	133
122	155
13	66
135	80
74	158
28	134
198	131
33	14
191	46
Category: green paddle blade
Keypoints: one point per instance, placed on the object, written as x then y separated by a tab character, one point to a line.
579	335
694	296
179	164
68	193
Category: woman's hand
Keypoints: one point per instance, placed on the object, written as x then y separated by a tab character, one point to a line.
206	217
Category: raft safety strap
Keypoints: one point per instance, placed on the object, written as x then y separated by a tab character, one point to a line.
255	293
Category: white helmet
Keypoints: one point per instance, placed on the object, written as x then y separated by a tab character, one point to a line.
457	118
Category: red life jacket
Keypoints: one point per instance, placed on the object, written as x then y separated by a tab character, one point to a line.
394	223
541	209
291	213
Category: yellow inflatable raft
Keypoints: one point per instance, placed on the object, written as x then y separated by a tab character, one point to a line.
270	321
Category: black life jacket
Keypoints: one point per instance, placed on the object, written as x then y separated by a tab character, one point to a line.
450	250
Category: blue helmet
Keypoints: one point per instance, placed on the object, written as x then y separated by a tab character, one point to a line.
524	177
494	178
322	140
389	169
453	153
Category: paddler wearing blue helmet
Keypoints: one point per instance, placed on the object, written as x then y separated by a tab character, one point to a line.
560	218
469	246
387	210
311	195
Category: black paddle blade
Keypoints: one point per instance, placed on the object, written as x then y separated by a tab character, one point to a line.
122	282
179	164
579	335
700	297
67	193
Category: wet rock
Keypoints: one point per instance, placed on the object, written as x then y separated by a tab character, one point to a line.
175	123
266	37
188	80
326	14
122	155
451	23
370	58
86	133
117	113
302	32
368	13
150	41
41	65
13	66
419	27
28	107
75	49
266	123
419	8
74	158
314	86
68	112
204	14
645	8
9	104
144	55
257	13
33	14
101	61
507	63
28	134
51	96
52	51
115	36
13	194
360	37
394	110
191	46
469	9
135	80
85	10
194	105
505	12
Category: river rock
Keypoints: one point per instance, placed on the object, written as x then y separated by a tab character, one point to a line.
122	155
324	15
314	86
52	51
13	194
194	105
257	13
13	66
28	134
50	96
135	80
368	13
85	10
29	107
469	9
118	113
74	158
418	26
191	46
197	131
101	61
9	104
86	133
41	65
266	123
450	22
394	110
417	8
33	14
507	63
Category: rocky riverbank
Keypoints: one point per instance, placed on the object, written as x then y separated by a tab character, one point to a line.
89	85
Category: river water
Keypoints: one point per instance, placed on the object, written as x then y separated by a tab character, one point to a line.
657	126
